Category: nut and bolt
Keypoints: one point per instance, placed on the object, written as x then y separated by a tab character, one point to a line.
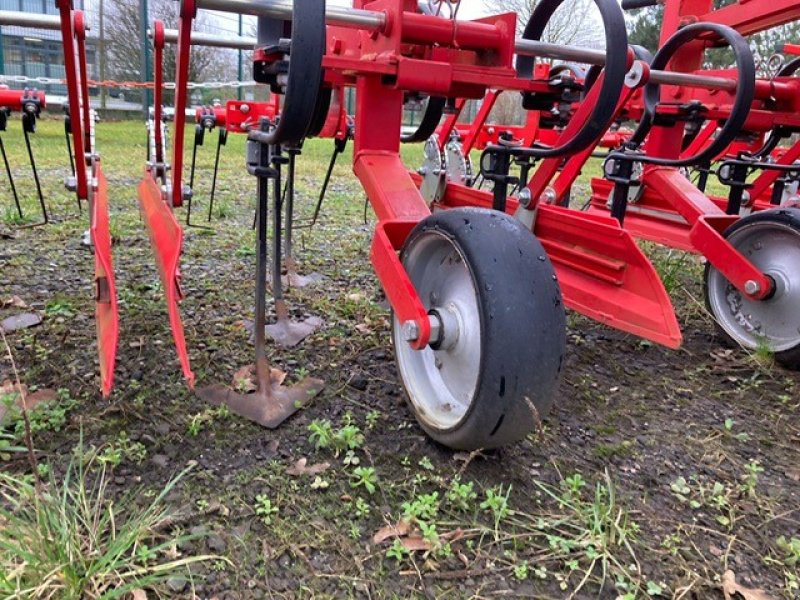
525	198
751	287
410	331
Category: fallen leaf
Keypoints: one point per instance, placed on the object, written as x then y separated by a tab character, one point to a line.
23	321
244	380
138	594
391	531
363	328
15	301
730	589
452	536
301	468
793	474
415	543
39	396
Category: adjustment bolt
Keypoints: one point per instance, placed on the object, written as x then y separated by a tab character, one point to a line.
549	196
244	108
410	331
751	287
525	198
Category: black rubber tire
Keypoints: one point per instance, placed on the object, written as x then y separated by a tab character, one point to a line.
523	327
789	217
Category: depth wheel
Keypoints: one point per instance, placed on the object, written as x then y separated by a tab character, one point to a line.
771	241
492	373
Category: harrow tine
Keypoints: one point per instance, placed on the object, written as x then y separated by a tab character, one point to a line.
106	313
10	178
166	237
28	127
285	332
339	147
199	136
221	141
293	278
272	403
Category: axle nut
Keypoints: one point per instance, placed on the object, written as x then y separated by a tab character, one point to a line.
751	287
410	331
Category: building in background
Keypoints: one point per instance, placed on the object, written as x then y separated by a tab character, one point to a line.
35	52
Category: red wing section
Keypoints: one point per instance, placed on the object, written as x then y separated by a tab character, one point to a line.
106	314
605	276
166	238
602	272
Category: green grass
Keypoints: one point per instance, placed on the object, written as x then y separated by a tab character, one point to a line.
71	540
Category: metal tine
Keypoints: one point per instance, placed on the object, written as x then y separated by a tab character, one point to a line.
199	138
10	178
222	140
28	127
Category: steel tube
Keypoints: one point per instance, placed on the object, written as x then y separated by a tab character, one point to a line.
337	15
692	80
22	19
209	39
282	9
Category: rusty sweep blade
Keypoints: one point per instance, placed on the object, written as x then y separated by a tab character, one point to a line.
166	238
271	403
106	314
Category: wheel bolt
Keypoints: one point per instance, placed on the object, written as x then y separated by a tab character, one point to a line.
410	331
751	287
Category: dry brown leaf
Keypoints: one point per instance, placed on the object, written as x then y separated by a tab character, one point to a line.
732	590
391	531
363	328
793	474
415	544
301	468
452	536
244	380
15	301
138	594
39	396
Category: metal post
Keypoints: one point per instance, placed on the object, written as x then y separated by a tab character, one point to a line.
239	91
2	55
146	66
101	58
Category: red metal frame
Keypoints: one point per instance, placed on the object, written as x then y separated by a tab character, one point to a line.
166	234
602	272
91	186
15	100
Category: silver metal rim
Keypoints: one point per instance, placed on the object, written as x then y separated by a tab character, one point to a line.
433	170
773	323
441	384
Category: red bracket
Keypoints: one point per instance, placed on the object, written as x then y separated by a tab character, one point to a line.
166	238
241	117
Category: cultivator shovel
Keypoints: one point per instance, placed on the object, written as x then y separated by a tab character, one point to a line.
271	403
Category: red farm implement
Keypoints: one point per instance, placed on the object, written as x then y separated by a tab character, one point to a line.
478	281
88	181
